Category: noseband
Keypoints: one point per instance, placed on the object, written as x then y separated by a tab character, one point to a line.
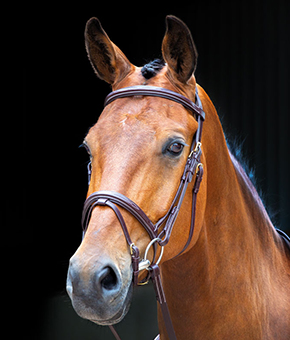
159	232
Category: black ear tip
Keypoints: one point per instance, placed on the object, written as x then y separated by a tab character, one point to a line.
94	21
93	25
172	20
172	17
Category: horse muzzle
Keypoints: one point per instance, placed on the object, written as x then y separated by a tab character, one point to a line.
99	291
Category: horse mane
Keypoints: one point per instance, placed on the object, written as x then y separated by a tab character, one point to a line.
236	150
152	68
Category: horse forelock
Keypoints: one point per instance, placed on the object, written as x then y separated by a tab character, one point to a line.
152	68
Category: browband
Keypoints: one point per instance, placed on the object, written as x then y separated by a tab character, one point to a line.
154	91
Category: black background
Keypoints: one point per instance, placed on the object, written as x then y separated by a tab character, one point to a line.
243	65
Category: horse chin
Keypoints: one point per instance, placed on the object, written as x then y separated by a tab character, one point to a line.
121	313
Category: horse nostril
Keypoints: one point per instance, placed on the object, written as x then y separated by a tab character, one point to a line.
108	278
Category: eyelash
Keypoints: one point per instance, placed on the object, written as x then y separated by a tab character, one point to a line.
84	145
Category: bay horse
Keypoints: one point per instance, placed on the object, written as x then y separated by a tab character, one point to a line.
229	277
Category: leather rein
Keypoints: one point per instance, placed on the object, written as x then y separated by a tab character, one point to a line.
160	232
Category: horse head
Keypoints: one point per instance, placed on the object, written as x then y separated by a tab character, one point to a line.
138	148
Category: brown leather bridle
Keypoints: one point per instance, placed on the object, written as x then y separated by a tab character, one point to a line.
159	232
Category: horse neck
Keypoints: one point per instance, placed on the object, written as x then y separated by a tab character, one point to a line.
236	233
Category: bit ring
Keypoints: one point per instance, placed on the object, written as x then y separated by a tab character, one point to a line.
157	239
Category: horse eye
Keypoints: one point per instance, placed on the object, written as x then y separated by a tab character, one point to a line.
175	148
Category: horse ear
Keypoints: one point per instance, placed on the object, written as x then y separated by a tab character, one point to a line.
108	61
178	49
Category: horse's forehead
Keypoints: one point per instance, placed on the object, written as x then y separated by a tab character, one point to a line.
142	112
